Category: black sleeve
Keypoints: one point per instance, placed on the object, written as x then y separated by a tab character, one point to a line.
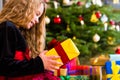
10	41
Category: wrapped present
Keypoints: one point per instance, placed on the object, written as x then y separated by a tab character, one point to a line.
114	57
103	76
78	77
99	61
67	50
113	70
72	63
95	72
79	70
63	71
75	70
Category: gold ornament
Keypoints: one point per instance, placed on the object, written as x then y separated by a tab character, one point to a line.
68	28
95	46
74	37
110	40
94	19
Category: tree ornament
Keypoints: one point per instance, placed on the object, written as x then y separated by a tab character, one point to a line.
94	19
104	18
117	27
81	20
47	20
57	19
68	28
66	2
105	26
117	51
88	4
74	37
98	14
97	2
95	46
110	40
55	4
79	3
112	22
96	38
112	27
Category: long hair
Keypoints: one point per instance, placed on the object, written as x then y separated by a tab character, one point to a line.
20	12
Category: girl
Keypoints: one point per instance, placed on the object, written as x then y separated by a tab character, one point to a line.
22	41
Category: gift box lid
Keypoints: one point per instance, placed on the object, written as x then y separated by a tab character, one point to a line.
114	57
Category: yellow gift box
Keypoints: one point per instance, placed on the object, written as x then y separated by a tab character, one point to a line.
61	72
99	61
67	50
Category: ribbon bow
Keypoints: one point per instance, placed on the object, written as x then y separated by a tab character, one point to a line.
53	43
115	69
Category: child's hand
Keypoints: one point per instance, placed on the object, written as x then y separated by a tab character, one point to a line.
50	62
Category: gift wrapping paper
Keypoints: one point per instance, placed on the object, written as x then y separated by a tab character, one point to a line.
94	72
70	65
99	61
77	77
79	70
61	72
112	70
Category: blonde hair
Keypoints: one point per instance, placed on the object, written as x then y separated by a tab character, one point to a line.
20	12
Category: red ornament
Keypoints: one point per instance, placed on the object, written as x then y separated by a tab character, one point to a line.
98	14
117	51
79	3
112	22
80	18
57	19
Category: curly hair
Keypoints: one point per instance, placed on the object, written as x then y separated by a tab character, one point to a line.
20	12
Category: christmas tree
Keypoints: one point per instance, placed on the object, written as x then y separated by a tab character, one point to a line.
90	24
